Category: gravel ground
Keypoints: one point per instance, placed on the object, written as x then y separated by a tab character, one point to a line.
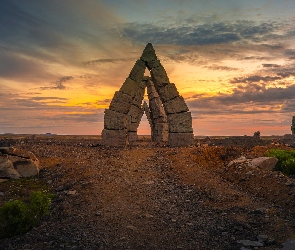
147	197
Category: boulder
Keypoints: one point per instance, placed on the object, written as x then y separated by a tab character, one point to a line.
268	163
25	167
16	163
7	169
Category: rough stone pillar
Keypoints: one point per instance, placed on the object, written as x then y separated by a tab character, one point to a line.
159	126
179	119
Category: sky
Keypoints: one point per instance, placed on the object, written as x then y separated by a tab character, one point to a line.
61	62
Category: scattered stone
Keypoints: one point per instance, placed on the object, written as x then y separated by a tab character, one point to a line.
131	227
289	183
71	192
98	213
250	243
289	245
288	139
149	182
262	237
1	194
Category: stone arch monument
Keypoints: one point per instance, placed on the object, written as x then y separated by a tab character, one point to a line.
167	112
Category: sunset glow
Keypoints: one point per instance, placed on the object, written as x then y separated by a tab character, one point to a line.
62	61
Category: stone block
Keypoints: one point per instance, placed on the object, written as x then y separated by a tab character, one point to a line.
159	77
129	87
137	71
161	126
135	113
114	120
176	105
153	95
156	108
180	139
138	98
153	64
132	136
121	102
162	119
114	137
148	53
132	127
180	123
158	136
168	92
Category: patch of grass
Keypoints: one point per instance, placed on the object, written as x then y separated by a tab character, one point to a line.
21	189
286	162
18	217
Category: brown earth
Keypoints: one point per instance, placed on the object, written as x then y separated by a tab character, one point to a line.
148	197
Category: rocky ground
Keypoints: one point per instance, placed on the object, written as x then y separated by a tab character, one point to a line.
148	197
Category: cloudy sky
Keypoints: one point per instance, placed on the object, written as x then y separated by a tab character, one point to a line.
62	60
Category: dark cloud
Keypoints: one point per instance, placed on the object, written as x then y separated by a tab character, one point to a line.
220	67
39	98
198	34
255	78
286	74
246	99
270	65
106	60
59	84
16	67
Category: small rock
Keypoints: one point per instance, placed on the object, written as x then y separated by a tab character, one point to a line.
49	182
289	245
1	194
131	227
149	182
262	237
72	192
250	243
98	213
289	183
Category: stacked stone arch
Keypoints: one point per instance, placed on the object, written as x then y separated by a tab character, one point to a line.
167	112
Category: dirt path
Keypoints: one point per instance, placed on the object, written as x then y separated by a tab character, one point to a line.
154	198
